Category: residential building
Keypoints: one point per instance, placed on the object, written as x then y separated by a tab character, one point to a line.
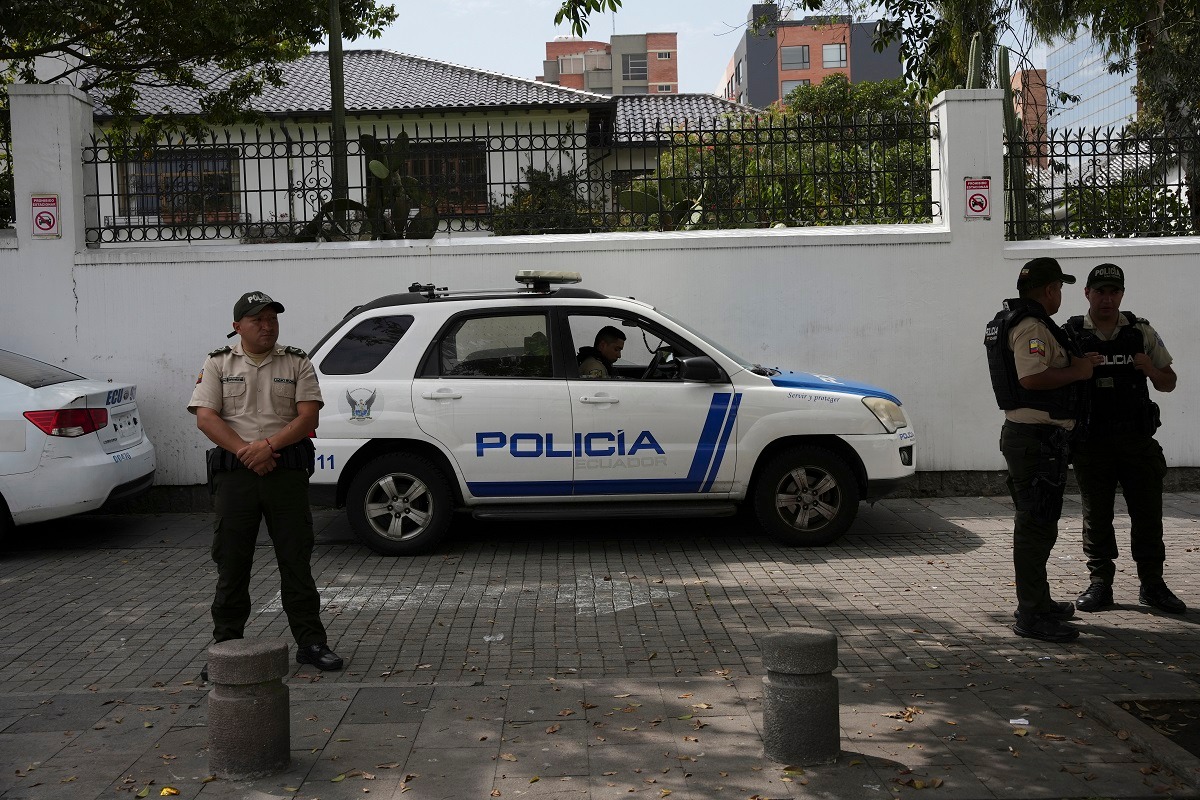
1080	67
1029	99
776	55
642	63
471	137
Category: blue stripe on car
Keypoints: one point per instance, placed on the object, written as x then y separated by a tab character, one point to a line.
729	421
830	383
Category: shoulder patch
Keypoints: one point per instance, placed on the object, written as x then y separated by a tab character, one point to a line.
220	350
295	351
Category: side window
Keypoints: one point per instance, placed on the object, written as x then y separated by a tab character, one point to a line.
500	346
647	352
365	346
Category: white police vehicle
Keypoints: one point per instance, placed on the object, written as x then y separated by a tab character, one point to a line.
437	401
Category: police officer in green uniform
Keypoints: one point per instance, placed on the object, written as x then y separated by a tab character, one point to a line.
257	402
1035	374
1118	446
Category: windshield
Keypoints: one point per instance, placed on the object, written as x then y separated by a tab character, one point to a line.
725	351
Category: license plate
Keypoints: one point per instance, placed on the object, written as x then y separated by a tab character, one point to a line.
127	426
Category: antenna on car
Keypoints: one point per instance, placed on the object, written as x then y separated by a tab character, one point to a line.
540	280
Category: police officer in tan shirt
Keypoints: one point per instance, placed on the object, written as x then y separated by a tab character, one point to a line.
257	401
1036	375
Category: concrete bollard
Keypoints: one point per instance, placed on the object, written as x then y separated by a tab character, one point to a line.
249	731
801	722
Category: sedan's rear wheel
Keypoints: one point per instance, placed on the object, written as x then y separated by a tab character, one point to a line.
806	496
399	505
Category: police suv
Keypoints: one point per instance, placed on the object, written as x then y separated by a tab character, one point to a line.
440	401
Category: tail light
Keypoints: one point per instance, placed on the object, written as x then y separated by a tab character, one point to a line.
69	422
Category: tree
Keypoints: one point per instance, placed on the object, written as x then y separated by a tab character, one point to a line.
835	153
226	51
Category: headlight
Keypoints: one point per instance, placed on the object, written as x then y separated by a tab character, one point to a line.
886	412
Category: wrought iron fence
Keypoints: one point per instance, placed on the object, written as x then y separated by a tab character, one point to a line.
8	209
414	180
1103	183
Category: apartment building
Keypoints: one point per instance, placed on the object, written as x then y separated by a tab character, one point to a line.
627	64
1079	67
776	55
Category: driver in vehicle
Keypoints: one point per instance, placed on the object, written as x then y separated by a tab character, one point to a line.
596	361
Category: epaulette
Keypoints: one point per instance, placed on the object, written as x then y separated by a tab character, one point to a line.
295	351
221	350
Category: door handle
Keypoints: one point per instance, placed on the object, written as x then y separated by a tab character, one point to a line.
442	394
602	400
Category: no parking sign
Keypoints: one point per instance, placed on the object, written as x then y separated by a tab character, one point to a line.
45	216
979	198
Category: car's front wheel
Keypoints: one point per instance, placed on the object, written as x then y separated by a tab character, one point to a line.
806	496
399	505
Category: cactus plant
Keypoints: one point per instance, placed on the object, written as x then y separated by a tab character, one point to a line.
392	195
675	210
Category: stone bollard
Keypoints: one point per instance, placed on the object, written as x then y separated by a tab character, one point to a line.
249	731
801	723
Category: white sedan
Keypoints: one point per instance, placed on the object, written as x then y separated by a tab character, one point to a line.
67	444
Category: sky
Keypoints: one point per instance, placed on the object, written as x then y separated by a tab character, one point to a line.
509	36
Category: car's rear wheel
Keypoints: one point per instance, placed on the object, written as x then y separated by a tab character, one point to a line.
806	496
399	505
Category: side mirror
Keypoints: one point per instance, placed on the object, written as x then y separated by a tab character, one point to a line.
699	369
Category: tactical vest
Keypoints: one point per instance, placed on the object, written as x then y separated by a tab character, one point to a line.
1060	403
1119	393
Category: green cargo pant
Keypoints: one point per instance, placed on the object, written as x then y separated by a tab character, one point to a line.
1136	463
1037	474
243	500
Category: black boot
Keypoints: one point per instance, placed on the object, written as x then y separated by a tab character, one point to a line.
1096	597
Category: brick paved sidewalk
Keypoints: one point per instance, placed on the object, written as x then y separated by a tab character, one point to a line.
460	662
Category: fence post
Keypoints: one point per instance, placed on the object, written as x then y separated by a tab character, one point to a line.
970	145
50	127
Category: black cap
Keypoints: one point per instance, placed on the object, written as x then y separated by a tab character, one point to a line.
251	303
1106	275
1041	271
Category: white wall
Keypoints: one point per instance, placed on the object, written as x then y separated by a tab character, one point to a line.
901	306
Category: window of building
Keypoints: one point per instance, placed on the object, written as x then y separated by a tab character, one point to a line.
570	65
596	60
454	172
737	73
664	54
664	87
202	184
786	87
635	90
794	57
833	55
633	66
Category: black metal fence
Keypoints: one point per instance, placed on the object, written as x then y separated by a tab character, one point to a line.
412	181
1103	183
8	209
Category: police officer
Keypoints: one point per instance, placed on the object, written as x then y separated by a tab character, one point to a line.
1119	445
1035	373
258	401
597	361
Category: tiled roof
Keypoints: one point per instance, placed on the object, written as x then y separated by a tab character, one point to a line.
383	81
639	114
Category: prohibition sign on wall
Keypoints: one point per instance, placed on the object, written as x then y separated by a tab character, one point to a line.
44	208
979	198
